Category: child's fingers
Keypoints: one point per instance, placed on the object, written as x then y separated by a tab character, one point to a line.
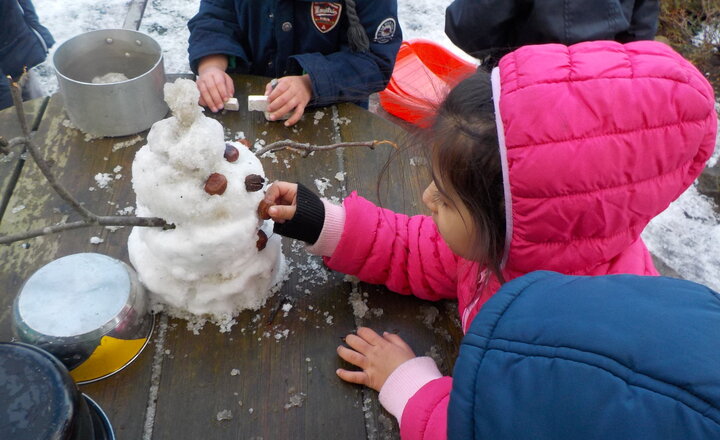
281	105
397	340
369	335
357	343
229	86
358	377
205	98
282	212
287	108
215	93
352	356
210	94
299	110
222	90
281	193
277	92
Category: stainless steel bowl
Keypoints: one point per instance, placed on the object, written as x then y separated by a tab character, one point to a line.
89	310
116	108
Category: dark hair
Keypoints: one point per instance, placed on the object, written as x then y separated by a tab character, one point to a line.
463	148
357	38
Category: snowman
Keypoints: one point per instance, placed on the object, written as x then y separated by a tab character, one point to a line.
220	258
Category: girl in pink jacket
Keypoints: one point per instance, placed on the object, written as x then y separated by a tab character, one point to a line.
555	162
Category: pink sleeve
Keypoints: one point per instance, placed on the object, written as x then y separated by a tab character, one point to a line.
331	232
425	414
407	254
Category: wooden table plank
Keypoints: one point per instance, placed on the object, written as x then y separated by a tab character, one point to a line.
288	381
430	328
134	14
11	164
197	381
76	162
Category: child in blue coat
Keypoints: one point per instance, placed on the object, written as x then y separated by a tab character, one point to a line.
322	52
490	29
614	357
24	44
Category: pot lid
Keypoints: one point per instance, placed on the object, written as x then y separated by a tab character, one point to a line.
39	399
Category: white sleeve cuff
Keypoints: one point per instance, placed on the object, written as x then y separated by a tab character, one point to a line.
405	381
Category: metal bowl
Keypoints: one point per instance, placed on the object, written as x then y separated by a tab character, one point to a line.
112	108
89	310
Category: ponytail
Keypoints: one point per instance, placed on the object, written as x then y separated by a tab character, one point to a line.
357	38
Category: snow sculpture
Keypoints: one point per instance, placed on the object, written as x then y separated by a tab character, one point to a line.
220	258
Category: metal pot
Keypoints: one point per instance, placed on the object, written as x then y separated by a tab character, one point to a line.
116	108
41	401
88	310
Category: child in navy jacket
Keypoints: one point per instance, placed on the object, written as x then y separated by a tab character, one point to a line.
490	29
24	44
323	52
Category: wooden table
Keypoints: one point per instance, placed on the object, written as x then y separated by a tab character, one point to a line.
181	381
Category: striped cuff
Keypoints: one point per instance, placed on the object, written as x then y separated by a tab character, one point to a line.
405	381
331	232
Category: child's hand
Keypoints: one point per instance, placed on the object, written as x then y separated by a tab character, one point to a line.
283	198
215	86
291	94
378	356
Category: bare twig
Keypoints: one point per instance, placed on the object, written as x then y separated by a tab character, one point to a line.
92	219
42	163
89	218
97	221
309	148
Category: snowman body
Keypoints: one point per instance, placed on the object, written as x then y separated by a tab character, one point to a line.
214	262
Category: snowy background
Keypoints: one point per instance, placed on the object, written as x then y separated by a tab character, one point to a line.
686	236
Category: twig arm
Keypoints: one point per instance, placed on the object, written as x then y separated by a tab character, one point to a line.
42	163
89	218
98	221
308	148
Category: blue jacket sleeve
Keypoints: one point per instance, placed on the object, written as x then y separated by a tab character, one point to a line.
32	19
644	23
5	95
352	76
478	25
215	30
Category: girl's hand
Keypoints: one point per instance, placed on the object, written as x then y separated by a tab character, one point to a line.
378	356
283	197
215	86
291	94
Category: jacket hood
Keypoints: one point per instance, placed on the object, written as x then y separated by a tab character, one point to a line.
620	132
552	356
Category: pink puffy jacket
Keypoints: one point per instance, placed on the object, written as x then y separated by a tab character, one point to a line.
596	139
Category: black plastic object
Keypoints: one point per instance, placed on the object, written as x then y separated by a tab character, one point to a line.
39	400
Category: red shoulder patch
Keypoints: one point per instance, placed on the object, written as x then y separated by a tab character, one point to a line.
325	15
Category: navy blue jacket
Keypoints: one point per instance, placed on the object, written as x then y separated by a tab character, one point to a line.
495	27
614	357
24	42
279	38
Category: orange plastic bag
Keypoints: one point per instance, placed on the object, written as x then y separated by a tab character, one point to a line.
424	73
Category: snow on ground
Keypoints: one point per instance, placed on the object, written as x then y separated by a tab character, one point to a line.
686	236
166	22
